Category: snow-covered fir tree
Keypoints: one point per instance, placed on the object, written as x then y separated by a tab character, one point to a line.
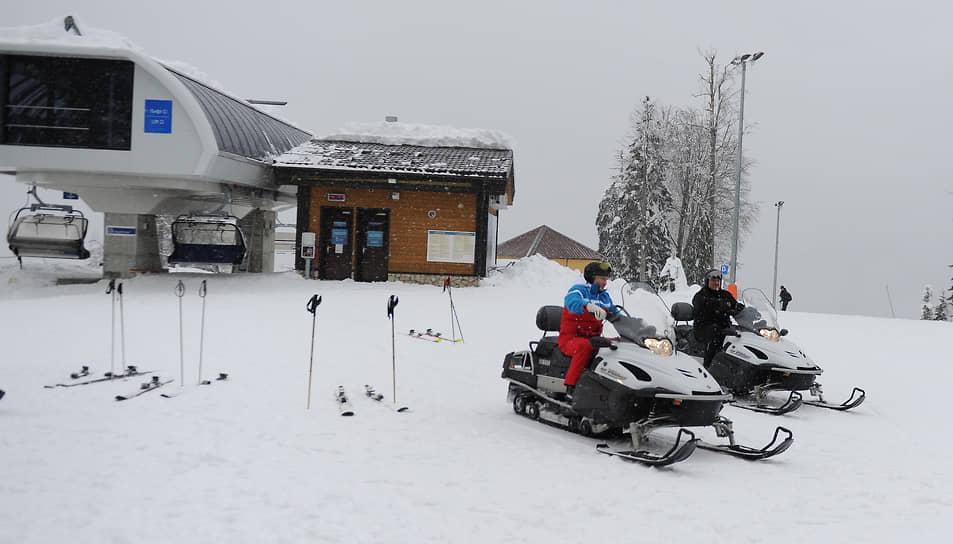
926	308
941	311
631	221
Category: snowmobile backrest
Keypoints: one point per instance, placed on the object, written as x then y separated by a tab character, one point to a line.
548	318
682	311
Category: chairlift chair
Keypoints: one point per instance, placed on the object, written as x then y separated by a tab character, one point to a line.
48	230
206	239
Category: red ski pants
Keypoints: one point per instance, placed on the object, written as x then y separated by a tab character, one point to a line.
581	352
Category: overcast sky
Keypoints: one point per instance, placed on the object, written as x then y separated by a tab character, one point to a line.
849	107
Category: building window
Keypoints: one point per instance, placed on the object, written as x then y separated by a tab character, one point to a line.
66	102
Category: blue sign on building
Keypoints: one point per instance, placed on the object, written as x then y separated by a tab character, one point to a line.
724	269
158	116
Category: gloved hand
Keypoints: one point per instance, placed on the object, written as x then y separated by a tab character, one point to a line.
597	311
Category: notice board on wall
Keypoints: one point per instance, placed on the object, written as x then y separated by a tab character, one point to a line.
446	246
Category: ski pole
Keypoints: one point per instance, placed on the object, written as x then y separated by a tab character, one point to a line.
179	291
391	304
312	306
454	318
122	327
111	289
202	290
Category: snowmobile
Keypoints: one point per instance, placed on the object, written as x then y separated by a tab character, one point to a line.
635	384
757	360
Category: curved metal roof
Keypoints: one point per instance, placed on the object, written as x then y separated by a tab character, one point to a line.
240	128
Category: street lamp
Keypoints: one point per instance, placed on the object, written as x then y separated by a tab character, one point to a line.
777	237
743	60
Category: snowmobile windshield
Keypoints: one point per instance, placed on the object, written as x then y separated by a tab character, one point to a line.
648	316
758	313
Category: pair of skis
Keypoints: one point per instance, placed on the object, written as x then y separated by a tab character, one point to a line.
431	336
172	394
344	404
146	387
130	371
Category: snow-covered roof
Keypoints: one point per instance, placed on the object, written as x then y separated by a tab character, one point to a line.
398	158
394	133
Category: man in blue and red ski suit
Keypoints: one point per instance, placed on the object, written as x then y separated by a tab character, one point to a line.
586	304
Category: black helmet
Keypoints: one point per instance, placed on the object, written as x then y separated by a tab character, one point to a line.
596	268
712	274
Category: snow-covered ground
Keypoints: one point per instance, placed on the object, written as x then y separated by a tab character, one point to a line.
244	461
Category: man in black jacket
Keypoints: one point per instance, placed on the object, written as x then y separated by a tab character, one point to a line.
712	311
785	298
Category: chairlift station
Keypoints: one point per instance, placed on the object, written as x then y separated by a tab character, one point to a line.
136	139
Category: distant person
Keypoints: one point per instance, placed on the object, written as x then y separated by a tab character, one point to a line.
712	309
785	298
585	306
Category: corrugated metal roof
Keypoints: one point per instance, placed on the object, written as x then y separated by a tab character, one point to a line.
239	128
546	242
376	157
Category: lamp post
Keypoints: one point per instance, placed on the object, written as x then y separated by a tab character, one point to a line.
743	60
777	236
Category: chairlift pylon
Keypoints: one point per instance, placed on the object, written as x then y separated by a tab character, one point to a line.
207	239
47	230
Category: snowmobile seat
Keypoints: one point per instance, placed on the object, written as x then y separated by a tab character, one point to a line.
548	318
546	346
682	311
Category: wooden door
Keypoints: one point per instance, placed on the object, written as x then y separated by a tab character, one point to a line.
335	245
373	244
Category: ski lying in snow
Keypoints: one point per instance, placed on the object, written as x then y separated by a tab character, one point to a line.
150	385
182	390
793	402
84	371
374	395
221	378
851	402
679	451
422	336
344	406
128	373
434	334
745	452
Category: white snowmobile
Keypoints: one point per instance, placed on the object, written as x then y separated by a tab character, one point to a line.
757	360
635	384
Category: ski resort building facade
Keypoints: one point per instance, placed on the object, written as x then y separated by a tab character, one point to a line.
134	138
384	212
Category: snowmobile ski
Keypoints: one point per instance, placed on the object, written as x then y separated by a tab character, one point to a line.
851	402
131	371
84	371
745	452
435	334
344	406
372	394
151	385
421	336
678	452
793	402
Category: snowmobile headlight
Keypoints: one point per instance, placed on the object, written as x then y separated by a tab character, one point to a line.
770	334
659	347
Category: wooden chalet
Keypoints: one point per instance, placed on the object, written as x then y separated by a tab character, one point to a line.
398	212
